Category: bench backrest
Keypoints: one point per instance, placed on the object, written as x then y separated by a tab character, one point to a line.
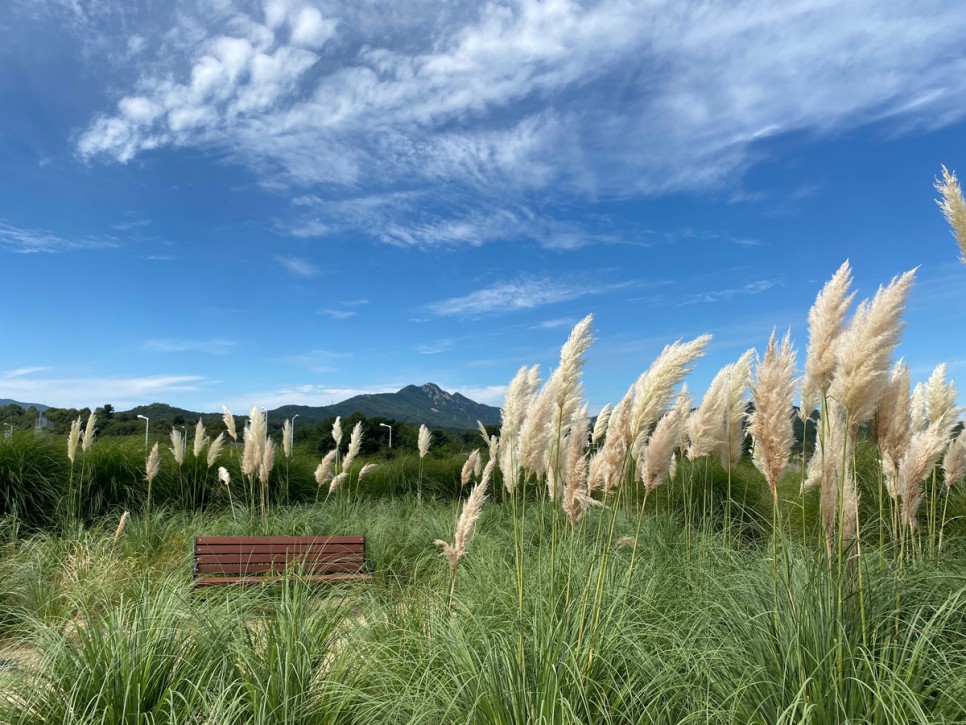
242	556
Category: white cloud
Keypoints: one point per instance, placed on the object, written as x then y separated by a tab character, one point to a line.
487	394
298	267
337	314
508	104
39	241
752	288
313	395
171	344
19	372
434	348
523	293
121	392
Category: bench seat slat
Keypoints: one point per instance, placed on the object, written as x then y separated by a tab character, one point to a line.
246	580
250	567
279	540
287	549
277	558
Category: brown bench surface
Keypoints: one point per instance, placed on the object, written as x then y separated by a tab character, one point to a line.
260	559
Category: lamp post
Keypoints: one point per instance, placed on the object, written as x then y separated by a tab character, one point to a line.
9	430
293	426
386	425
147	425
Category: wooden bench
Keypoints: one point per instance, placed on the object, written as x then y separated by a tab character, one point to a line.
221	560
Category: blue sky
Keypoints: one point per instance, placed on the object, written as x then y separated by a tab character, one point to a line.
294	201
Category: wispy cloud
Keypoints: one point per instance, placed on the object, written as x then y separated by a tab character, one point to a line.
300	394
523	293
122	392
752	288
337	314
20	372
297	267
513	105
39	241
434	348
173	344
555	323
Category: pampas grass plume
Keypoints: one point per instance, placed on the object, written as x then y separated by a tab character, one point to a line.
424	439
337	481
152	464
323	474
200	438
865	351
465	526
600	425
654	388
954	208
214	450
366	470
355	442
337	432
954	462
120	526
826	321
288	437
229	423
73	438
771	422
924	450
224	476
88	438
177	445
469	466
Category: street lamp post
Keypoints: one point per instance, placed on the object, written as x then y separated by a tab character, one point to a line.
386	425
147	425
293	426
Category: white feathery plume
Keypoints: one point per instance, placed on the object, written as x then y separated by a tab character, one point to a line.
706	425
366	470
224	476
924	450
826	322
268	461
73	438
337	481
654	462
466	474
655	388
607	465
88	438
893	424
355	442
152	464
323	474
215	449
288	438
736	410
576	499
954	462
494	450
465	525
918	411
200	438
229	420
770	424
865	351
954	208
424	439
483	434
535	431
941	409
256	436
177	445
337	431
600	425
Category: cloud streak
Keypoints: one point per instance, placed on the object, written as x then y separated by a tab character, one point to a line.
510	106
523	293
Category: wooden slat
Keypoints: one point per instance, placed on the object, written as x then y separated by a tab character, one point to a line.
279	540
280	556
247	580
289	549
246	567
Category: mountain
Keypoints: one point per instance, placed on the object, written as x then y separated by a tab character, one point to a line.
6	401
427	404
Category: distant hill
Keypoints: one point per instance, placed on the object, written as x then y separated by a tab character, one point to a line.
7	401
163	411
427	404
